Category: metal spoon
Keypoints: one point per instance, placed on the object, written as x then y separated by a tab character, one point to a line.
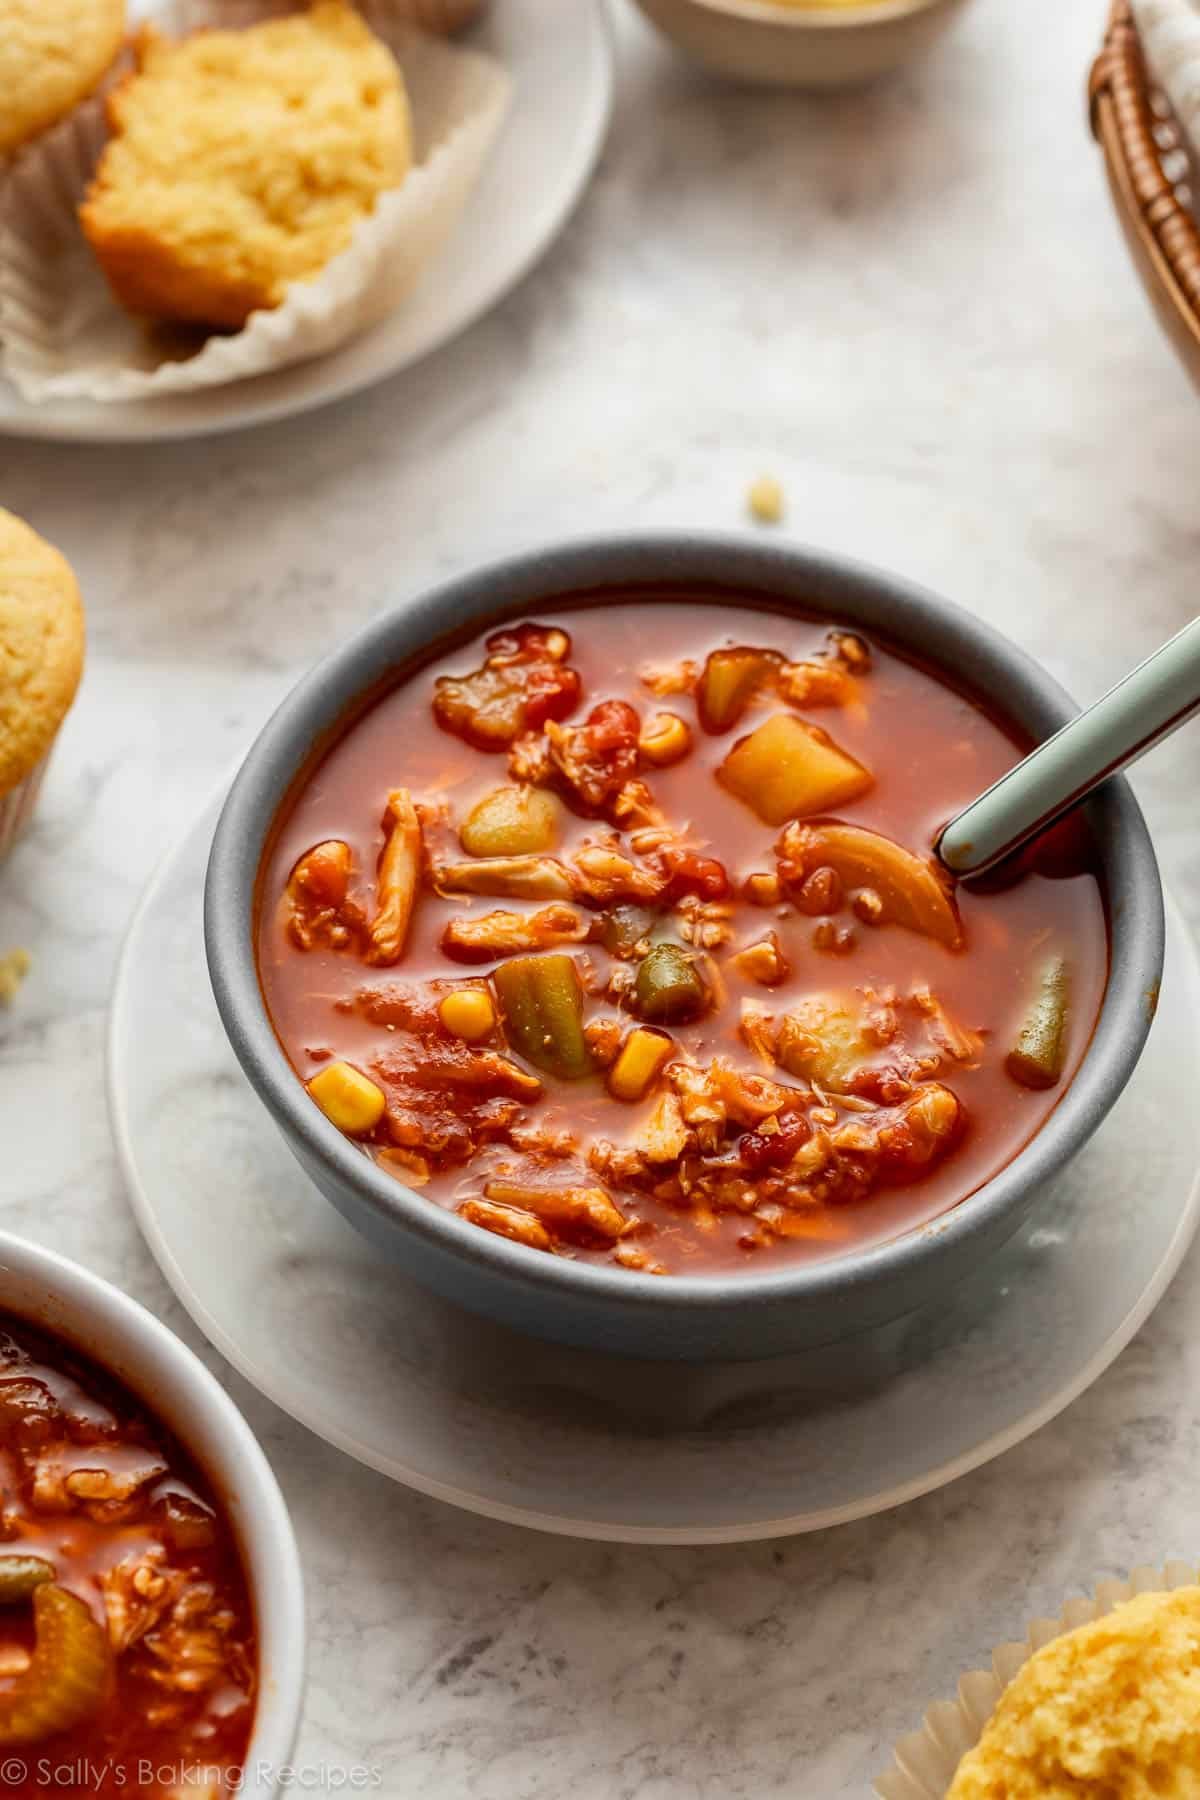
1138	713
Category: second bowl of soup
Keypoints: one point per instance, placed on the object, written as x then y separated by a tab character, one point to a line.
580	926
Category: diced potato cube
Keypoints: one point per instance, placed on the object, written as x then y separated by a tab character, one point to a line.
788	769
468	1013
643	1055
348	1098
822	1039
511	821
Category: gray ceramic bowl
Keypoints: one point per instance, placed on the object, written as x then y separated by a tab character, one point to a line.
747	1314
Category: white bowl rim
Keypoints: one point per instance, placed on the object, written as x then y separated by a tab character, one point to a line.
120	1335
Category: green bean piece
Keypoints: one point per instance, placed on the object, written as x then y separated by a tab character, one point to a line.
729	682
624	927
1039	1056
542	1001
668	985
19	1575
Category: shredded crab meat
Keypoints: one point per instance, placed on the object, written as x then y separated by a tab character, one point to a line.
502	933
514	1222
663	1136
803	1155
398	879
674	678
605	875
69	1476
591	1209
319	908
190	1652
594	763
507	877
137	1592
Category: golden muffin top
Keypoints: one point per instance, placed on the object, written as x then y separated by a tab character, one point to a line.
41	647
242	160
1110	1711
52	54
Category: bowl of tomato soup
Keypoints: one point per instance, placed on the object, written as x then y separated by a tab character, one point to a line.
579	925
151	1611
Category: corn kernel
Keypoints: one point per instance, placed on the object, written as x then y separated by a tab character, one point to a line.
468	1013
763	890
765	500
642	1056
348	1098
665	740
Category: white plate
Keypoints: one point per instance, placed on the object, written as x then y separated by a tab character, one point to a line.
569	1442
560	56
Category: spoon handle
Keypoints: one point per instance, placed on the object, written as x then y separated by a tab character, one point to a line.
1151	702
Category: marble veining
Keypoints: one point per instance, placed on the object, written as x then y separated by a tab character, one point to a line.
912	305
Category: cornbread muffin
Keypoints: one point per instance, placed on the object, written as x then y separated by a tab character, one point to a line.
1110	1711
52	54
242	161
41	657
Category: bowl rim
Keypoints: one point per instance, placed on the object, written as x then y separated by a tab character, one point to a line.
69	1301
555	572
815	16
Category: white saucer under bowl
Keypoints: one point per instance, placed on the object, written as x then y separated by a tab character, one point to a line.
572	1442
560	58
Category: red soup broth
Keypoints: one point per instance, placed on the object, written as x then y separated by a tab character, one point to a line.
728	1199
128	1655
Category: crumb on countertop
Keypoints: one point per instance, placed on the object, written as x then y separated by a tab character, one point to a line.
14	967
765	500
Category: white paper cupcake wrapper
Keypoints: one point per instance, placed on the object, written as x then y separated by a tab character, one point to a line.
1170	35
62	335
17	804
924	1763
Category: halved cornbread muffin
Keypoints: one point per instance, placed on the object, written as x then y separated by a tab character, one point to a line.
242	160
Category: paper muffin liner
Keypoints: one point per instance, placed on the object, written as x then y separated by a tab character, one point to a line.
62	335
924	1763
17	804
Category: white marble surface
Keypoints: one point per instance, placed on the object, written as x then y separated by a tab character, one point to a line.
913	307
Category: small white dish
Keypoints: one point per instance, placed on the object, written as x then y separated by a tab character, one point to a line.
123	1337
572	1442
560	60
802	45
